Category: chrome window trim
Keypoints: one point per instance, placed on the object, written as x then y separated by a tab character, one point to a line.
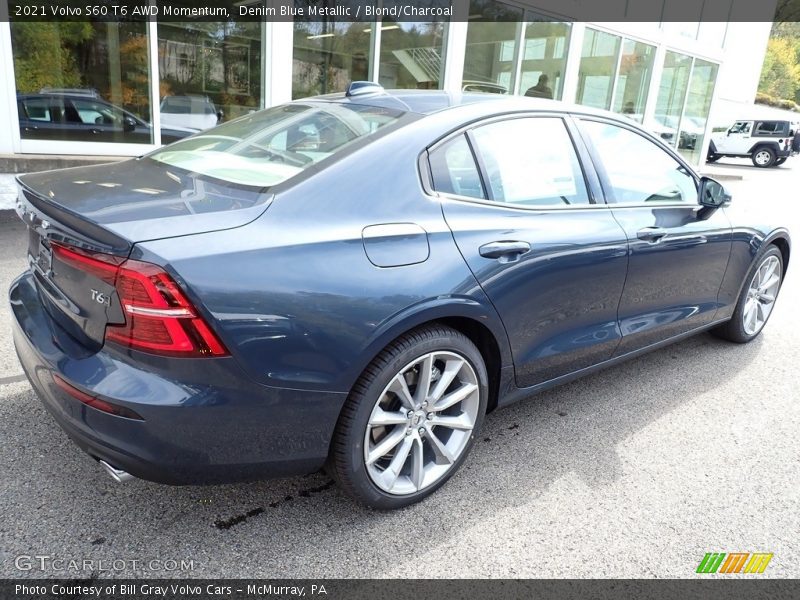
426	176
505	205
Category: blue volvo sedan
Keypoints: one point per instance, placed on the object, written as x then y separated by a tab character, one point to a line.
354	281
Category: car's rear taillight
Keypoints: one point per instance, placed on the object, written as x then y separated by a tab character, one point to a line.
159	318
102	266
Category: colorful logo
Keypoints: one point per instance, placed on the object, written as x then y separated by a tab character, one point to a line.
734	562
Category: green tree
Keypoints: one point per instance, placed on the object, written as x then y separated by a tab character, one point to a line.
44	54
780	75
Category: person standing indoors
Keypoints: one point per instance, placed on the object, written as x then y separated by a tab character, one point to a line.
541	89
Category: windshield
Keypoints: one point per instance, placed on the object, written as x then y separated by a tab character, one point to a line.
268	147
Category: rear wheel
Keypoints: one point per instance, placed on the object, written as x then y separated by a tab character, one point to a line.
764	157
411	419
756	300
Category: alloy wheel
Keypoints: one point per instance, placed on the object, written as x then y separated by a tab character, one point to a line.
763	157
761	295
421	423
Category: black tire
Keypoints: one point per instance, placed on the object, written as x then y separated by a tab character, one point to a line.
733	330
780	161
346	463
711	154
761	151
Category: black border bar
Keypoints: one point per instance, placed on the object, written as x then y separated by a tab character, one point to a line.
714	587
401	10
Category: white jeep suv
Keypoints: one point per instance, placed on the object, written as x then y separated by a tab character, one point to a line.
766	143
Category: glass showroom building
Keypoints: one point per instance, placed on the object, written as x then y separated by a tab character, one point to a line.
120	89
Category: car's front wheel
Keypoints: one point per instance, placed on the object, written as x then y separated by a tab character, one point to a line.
411	418
756	300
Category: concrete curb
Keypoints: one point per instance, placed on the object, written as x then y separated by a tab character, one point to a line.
722	176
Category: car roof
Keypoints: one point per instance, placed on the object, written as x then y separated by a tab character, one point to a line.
768	120
455	109
60	95
198	97
426	102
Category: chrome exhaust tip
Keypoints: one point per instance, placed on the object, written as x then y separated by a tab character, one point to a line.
117	475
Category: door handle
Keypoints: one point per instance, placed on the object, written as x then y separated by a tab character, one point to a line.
651	234
504	251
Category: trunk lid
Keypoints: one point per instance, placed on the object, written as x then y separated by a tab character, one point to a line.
141	199
107	209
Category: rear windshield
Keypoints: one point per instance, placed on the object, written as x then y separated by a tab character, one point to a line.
268	147
186	106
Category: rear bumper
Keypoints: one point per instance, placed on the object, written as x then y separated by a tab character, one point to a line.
205	420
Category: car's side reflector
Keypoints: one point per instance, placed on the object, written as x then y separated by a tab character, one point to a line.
94	401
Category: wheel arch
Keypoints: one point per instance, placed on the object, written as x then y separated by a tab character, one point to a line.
477	322
772	145
778	238
784	244
487	345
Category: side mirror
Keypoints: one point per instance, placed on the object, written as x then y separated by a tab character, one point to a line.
128	124
712	193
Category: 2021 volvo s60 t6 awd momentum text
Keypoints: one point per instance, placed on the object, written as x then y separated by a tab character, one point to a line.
354	281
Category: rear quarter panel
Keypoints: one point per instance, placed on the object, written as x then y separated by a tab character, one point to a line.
294	295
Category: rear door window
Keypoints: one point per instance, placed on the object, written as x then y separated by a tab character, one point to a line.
44	109
37	110
531	162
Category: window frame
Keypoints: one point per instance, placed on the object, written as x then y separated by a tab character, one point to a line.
591	180
605	181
